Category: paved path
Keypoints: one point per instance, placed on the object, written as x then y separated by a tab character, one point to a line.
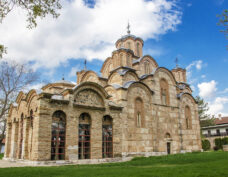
7	164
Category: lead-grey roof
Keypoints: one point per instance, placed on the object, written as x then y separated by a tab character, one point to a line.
64	82
129	35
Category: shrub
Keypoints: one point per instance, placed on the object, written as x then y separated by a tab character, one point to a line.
218	143
225	141
206	145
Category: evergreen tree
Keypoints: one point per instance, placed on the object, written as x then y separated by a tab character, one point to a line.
205	118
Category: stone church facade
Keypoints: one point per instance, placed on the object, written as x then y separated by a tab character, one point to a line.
135	108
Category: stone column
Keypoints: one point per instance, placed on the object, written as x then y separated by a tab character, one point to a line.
96	135
8	140
71	144
25	138
44	136
14	140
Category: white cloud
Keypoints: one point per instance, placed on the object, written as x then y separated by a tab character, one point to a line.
74	70
83	32
217	106
207	89
37	87
197	64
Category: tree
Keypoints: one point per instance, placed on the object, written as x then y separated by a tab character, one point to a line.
223	21
33	8
205	119
13	78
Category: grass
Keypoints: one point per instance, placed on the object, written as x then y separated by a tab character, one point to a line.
206	164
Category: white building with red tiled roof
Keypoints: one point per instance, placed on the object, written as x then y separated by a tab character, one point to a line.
219	130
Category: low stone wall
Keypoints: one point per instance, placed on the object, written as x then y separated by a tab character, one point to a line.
212	140
225	147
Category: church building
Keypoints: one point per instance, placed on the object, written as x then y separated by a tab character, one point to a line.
134	108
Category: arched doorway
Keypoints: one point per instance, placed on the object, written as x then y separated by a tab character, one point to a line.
84	136
168	143
58	136
107	137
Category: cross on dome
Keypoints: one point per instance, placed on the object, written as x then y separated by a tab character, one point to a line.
128	29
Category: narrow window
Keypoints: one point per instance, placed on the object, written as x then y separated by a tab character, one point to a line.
164	92
58	136
188	117
128	61
121	59
137	46
84	136
138	119
107	140
129	45
147	67
139	112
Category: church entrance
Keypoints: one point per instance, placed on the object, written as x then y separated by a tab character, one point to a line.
168	147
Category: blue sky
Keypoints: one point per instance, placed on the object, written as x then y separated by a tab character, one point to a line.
186	29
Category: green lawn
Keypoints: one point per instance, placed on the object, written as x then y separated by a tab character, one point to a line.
207	164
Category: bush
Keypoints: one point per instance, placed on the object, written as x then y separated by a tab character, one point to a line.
206	145
225	141
219	142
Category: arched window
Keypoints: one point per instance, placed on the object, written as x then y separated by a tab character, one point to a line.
188	117
84	136
128	60
167	136
137	49
21	135
147	67
58	135
129	45
107	143
139	112
164	92
121	59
